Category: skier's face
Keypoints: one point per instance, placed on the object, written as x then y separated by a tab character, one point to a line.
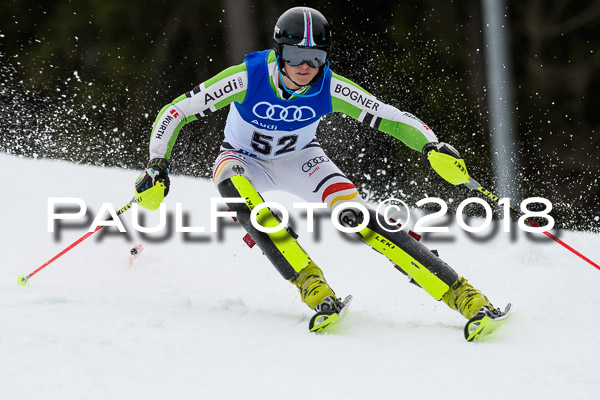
302	74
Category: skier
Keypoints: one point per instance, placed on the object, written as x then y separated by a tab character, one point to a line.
276	100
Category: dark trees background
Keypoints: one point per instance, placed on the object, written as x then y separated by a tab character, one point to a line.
83	81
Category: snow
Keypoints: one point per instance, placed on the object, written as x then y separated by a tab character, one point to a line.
210	318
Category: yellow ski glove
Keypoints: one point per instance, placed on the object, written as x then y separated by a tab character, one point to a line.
152	185
446	161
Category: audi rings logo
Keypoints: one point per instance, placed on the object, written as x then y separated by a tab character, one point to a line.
275	112
307	166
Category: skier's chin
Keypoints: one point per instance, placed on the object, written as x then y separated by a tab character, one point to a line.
304	79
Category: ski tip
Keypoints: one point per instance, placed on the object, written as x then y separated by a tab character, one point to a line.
134	253
322	320
485	323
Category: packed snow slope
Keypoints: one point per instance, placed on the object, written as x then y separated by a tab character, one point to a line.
202	316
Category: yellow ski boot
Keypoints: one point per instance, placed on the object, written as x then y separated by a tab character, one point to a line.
314	289
465	299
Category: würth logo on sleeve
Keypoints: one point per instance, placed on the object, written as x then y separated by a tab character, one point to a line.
174	113
162	128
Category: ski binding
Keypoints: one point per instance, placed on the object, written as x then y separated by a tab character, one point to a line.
485	322
322	320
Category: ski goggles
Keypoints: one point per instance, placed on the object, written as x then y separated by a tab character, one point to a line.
295	56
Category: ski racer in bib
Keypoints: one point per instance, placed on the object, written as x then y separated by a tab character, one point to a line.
276	99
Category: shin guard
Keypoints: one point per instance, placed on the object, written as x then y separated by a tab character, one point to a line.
416	260
281	247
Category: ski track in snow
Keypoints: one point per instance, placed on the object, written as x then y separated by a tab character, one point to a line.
213	319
